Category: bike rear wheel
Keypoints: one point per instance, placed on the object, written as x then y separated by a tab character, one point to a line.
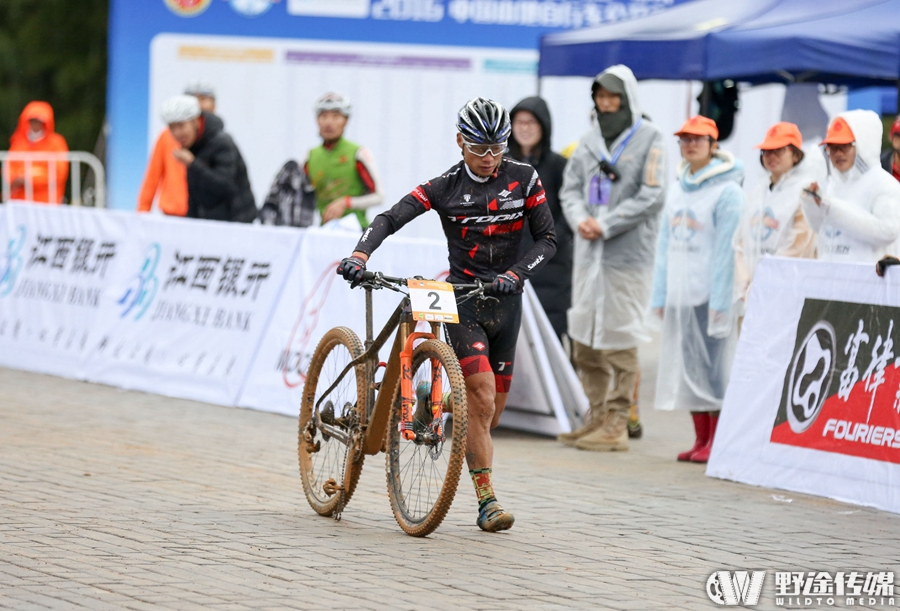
422	474
330	464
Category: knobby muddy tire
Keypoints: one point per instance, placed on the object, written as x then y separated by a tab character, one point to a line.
336	338
421	526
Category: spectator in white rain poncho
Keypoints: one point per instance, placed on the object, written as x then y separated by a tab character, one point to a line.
857	211
774	222
693	281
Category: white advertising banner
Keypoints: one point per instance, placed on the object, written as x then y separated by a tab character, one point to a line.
185	316
55	264
219	312
813	404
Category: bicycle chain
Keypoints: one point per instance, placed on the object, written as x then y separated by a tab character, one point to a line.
353	429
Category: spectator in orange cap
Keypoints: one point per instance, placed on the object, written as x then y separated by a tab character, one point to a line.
36	134
774	223
693	281
890	159
856	212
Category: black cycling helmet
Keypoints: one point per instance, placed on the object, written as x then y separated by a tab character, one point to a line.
483	121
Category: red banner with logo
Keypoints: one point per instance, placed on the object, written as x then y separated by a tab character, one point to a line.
841	390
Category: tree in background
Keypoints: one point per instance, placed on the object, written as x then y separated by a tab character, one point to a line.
54	50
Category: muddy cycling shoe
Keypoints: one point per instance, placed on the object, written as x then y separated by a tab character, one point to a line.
423	414
492	518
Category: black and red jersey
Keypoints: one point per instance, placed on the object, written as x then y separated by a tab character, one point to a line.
483	219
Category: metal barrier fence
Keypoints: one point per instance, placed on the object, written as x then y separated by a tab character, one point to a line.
96	198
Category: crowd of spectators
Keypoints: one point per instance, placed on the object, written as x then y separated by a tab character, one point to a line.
690	252
629	246
196	170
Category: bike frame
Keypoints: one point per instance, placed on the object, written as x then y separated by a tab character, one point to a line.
380	395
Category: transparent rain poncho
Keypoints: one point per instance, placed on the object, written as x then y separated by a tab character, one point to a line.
773	224
694	285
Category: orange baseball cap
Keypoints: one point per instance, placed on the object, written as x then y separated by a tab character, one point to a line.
839	133
781	135
699	126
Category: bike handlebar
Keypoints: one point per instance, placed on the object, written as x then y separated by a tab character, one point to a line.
370	276
379	277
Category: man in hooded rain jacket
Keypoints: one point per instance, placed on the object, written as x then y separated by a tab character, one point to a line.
35	134
613	192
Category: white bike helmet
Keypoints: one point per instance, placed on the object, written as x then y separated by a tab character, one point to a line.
333	101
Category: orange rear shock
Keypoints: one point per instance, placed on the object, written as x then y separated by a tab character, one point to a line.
407	395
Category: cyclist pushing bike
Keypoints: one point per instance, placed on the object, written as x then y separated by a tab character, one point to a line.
483	202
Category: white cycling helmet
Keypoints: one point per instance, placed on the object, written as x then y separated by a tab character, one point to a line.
333	101
199	87
180	108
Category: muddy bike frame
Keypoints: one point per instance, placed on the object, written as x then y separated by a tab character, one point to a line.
380	395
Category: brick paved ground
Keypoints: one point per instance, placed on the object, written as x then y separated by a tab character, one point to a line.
112	499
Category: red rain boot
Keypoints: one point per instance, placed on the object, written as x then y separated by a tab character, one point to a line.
702	455
701	428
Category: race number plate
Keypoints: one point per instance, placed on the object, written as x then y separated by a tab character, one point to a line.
432	301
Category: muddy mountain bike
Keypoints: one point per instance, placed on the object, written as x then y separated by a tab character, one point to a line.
416	413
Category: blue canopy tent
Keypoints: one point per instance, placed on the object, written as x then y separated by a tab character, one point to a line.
854	42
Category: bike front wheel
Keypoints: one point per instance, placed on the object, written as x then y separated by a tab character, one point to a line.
423	473
330	437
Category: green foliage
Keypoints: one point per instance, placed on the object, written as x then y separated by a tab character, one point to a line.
54	50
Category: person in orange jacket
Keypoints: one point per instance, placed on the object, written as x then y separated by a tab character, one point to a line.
166	175
36	134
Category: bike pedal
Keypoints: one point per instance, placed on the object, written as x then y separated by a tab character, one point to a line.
331	487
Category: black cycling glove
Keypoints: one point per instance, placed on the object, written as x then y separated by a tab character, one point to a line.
352	270
505	284
885	263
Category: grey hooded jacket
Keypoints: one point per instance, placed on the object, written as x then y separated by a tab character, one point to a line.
630	222
611	275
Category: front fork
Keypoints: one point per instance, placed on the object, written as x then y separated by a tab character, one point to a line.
408	394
